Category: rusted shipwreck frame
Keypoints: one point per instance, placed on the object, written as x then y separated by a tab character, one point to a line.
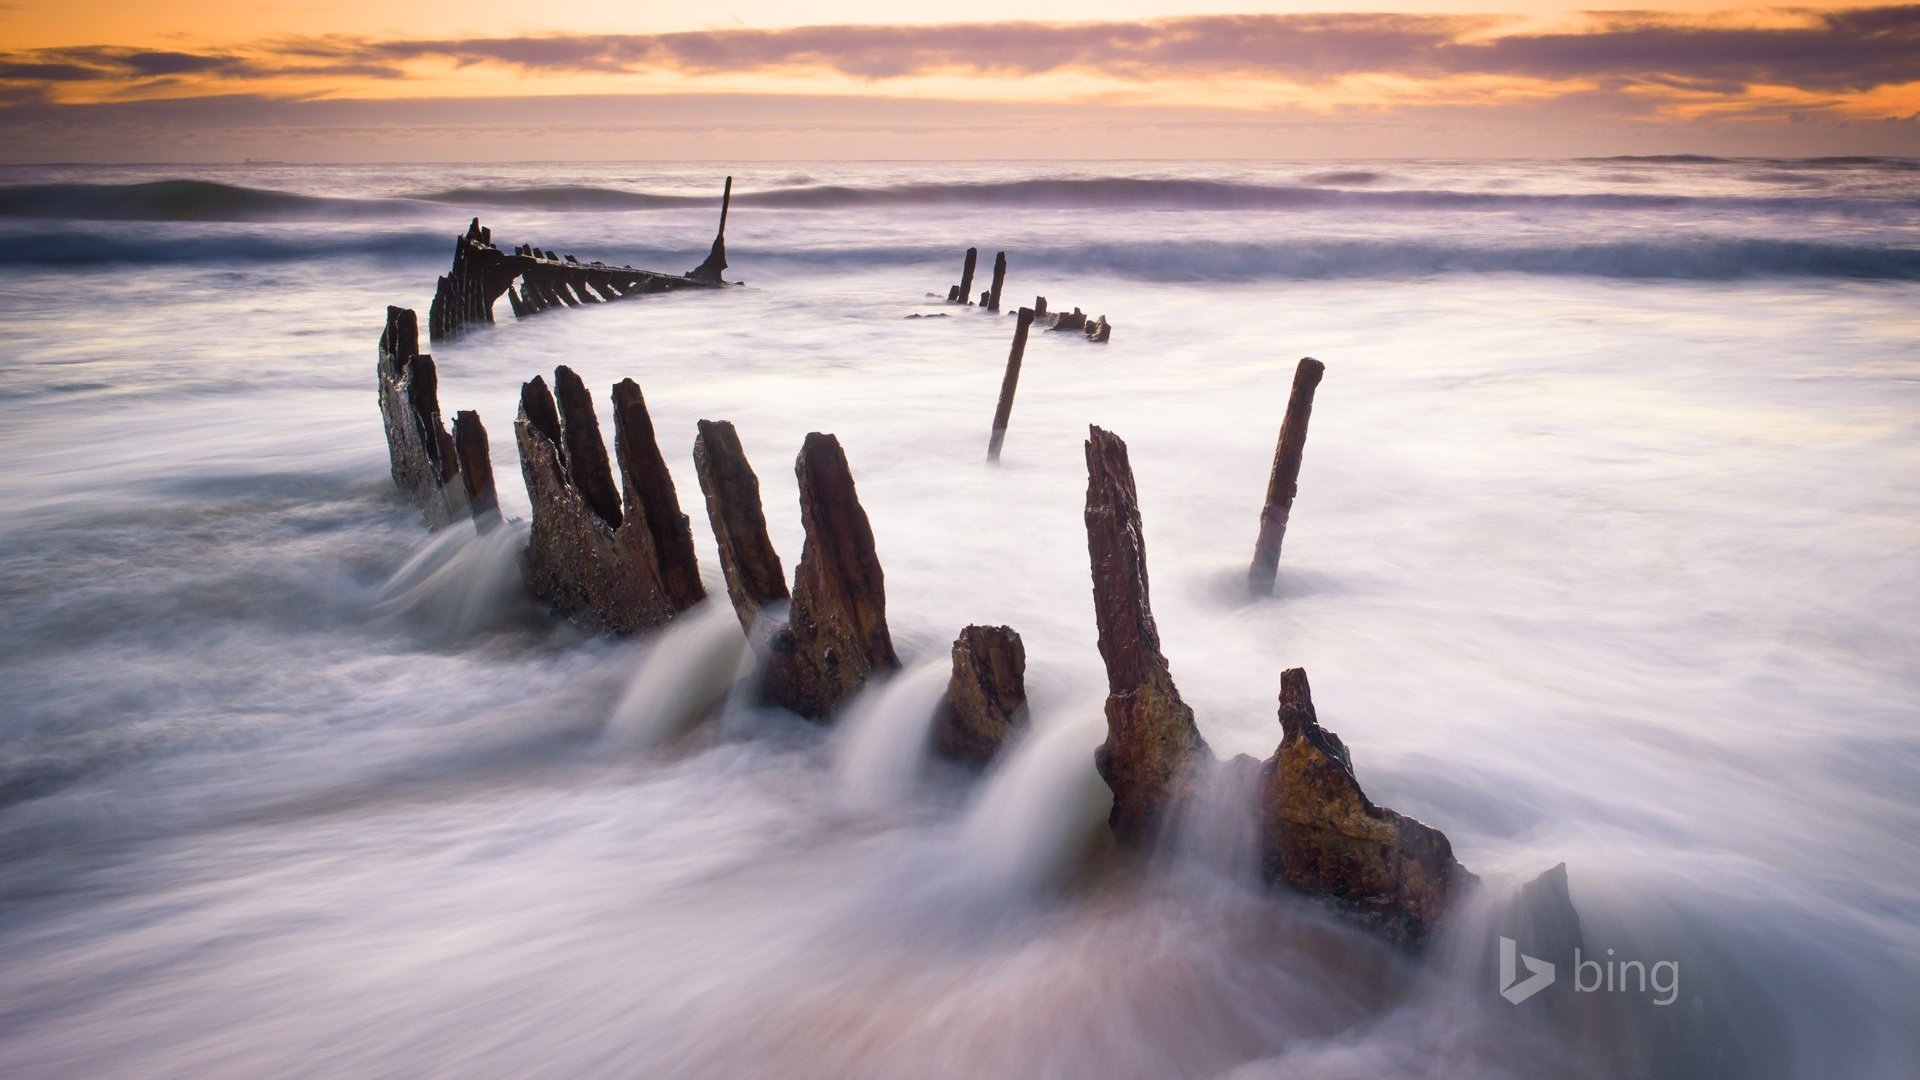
1096	330
617	554
534	280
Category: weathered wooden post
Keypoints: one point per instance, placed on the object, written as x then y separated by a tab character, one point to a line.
836	637
999	279
1009	383
1152	743
1039	307
420	452
651	501
586	460
614	558
1320	834
1284	481
476	469
986	697
752	568
966	275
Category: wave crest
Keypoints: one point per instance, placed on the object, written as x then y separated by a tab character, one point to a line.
181	200
200	200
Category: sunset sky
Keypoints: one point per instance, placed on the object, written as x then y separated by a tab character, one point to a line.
358	80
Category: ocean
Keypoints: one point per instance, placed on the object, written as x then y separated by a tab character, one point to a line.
1605	553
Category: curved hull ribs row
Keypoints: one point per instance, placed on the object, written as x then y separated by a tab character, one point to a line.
535	280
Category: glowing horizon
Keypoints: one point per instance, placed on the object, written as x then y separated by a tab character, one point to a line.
111	84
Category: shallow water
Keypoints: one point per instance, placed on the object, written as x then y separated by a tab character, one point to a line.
1604	554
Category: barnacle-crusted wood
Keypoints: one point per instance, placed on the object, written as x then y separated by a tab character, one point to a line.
1321	835
1318	832
987	696
424	461
593	558
836	636
1152	742
755	579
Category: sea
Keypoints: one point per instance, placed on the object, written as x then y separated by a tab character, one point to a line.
1606	553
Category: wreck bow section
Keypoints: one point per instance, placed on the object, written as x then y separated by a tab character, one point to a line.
535	280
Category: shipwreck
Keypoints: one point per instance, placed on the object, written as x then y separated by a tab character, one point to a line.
611	548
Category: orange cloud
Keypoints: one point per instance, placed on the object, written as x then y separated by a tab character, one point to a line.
1847	63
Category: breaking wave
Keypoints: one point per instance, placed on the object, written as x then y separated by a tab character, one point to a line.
182	200
1702	259
75	248
1842	161
197	200
1151	194
1708	258
1664	159
564	197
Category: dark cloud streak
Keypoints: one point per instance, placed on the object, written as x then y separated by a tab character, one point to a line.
1827	51
1847	49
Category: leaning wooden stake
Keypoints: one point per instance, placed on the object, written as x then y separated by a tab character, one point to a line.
1009	383
966	275
1284	480
476	469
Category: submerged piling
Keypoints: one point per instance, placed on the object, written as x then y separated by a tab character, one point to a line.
615	557
476	469
748	561
1283	482
1152	742
1008	383
836	637
986	698
999	280
649	494
966	275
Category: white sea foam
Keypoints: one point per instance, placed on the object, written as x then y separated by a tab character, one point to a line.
1611	568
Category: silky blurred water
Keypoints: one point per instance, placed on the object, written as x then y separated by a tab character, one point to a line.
1605	553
